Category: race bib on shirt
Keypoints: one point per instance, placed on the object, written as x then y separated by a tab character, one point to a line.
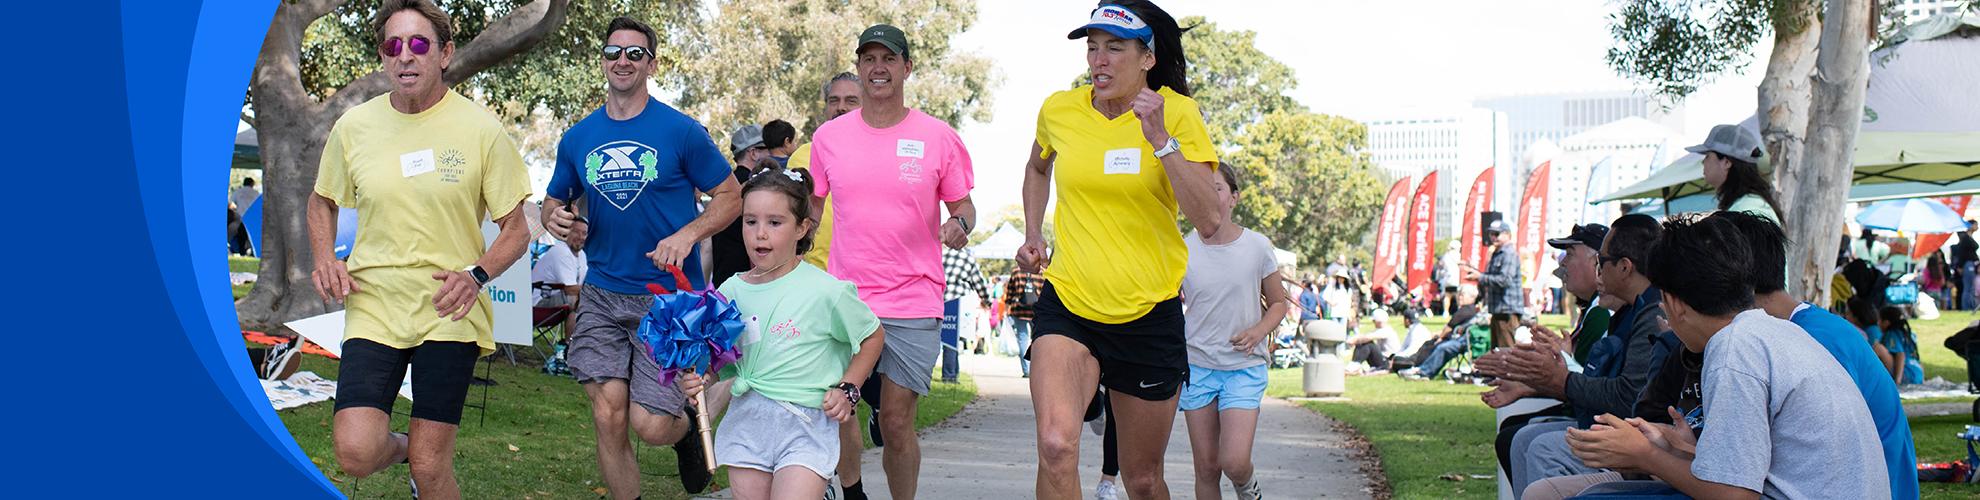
1124	161
909	148
415	163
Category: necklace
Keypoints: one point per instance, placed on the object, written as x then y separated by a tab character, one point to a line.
757	275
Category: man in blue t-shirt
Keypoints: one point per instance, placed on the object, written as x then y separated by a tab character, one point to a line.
636	164
1842	340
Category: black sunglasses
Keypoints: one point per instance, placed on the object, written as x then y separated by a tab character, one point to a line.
1603	260
635	53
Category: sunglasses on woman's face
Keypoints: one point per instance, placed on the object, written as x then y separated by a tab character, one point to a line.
635	53
418	43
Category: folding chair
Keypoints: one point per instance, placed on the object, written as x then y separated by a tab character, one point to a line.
548	320
1478	342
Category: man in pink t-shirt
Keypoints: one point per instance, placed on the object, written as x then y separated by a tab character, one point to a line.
890	171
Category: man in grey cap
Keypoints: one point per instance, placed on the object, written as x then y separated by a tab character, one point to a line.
1500	283
746	146
726	255
891	171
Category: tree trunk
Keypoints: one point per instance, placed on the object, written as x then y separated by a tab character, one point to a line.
1784	98
1841	77
294	125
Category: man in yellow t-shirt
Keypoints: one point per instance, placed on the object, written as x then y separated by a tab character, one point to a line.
422	166
841	95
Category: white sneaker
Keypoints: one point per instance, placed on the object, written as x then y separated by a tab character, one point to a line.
1109	490
1249	491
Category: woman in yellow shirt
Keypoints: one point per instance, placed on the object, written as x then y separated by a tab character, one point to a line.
1127	151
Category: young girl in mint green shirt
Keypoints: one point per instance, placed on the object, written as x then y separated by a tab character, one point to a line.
807	345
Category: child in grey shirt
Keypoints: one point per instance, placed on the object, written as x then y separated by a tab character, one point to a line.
1784	420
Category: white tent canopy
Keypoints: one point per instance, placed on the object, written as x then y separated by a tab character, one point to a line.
1287	260
1002	244
1921	122
1683	177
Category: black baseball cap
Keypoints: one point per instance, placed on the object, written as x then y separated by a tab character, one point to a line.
887	36
1585	234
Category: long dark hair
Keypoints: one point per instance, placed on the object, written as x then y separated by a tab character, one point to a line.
1901	326
1743	178
1171	65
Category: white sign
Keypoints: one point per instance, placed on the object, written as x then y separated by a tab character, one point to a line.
508	295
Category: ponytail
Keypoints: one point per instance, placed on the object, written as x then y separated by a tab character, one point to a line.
1171	65
1743	178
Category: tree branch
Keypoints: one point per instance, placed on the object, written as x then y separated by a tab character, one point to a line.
248	118
277	76
511	35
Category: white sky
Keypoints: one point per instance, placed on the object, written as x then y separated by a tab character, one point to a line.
1353	58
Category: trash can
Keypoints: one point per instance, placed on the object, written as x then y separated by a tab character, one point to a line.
1325	373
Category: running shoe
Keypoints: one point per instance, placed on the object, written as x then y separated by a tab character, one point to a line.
688	456
1108	490
1249	491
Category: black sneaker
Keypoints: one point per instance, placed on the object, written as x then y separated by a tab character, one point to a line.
688	455
873	427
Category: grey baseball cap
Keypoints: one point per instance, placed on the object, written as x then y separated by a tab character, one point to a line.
748	136
1498	226
1731	141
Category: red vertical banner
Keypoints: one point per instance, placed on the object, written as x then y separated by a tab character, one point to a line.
1422	235
1929	242
1388	233
1533	221
1477	201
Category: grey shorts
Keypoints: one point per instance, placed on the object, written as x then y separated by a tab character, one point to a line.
605	346
913	344
767	435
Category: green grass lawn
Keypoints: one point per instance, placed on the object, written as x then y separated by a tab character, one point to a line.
1425	431
239	264
547	421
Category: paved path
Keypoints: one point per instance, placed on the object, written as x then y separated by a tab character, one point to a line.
988	451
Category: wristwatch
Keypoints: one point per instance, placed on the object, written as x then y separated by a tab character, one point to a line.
964	224
852	391
480	276
1168	148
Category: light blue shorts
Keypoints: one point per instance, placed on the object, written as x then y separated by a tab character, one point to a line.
1231	389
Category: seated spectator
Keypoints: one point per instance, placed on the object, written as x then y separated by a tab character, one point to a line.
1372	349
1842	340
557	275
1617	367
1863	316
1899	340
1577	274
1413	331
1456	337
1782	426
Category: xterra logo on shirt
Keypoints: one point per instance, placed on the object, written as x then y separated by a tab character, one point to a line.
620	170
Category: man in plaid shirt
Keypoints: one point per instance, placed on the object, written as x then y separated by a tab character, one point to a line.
963	275
1020	293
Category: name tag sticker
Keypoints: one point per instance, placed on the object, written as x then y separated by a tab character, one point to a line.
908	148
1124	161
415	163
